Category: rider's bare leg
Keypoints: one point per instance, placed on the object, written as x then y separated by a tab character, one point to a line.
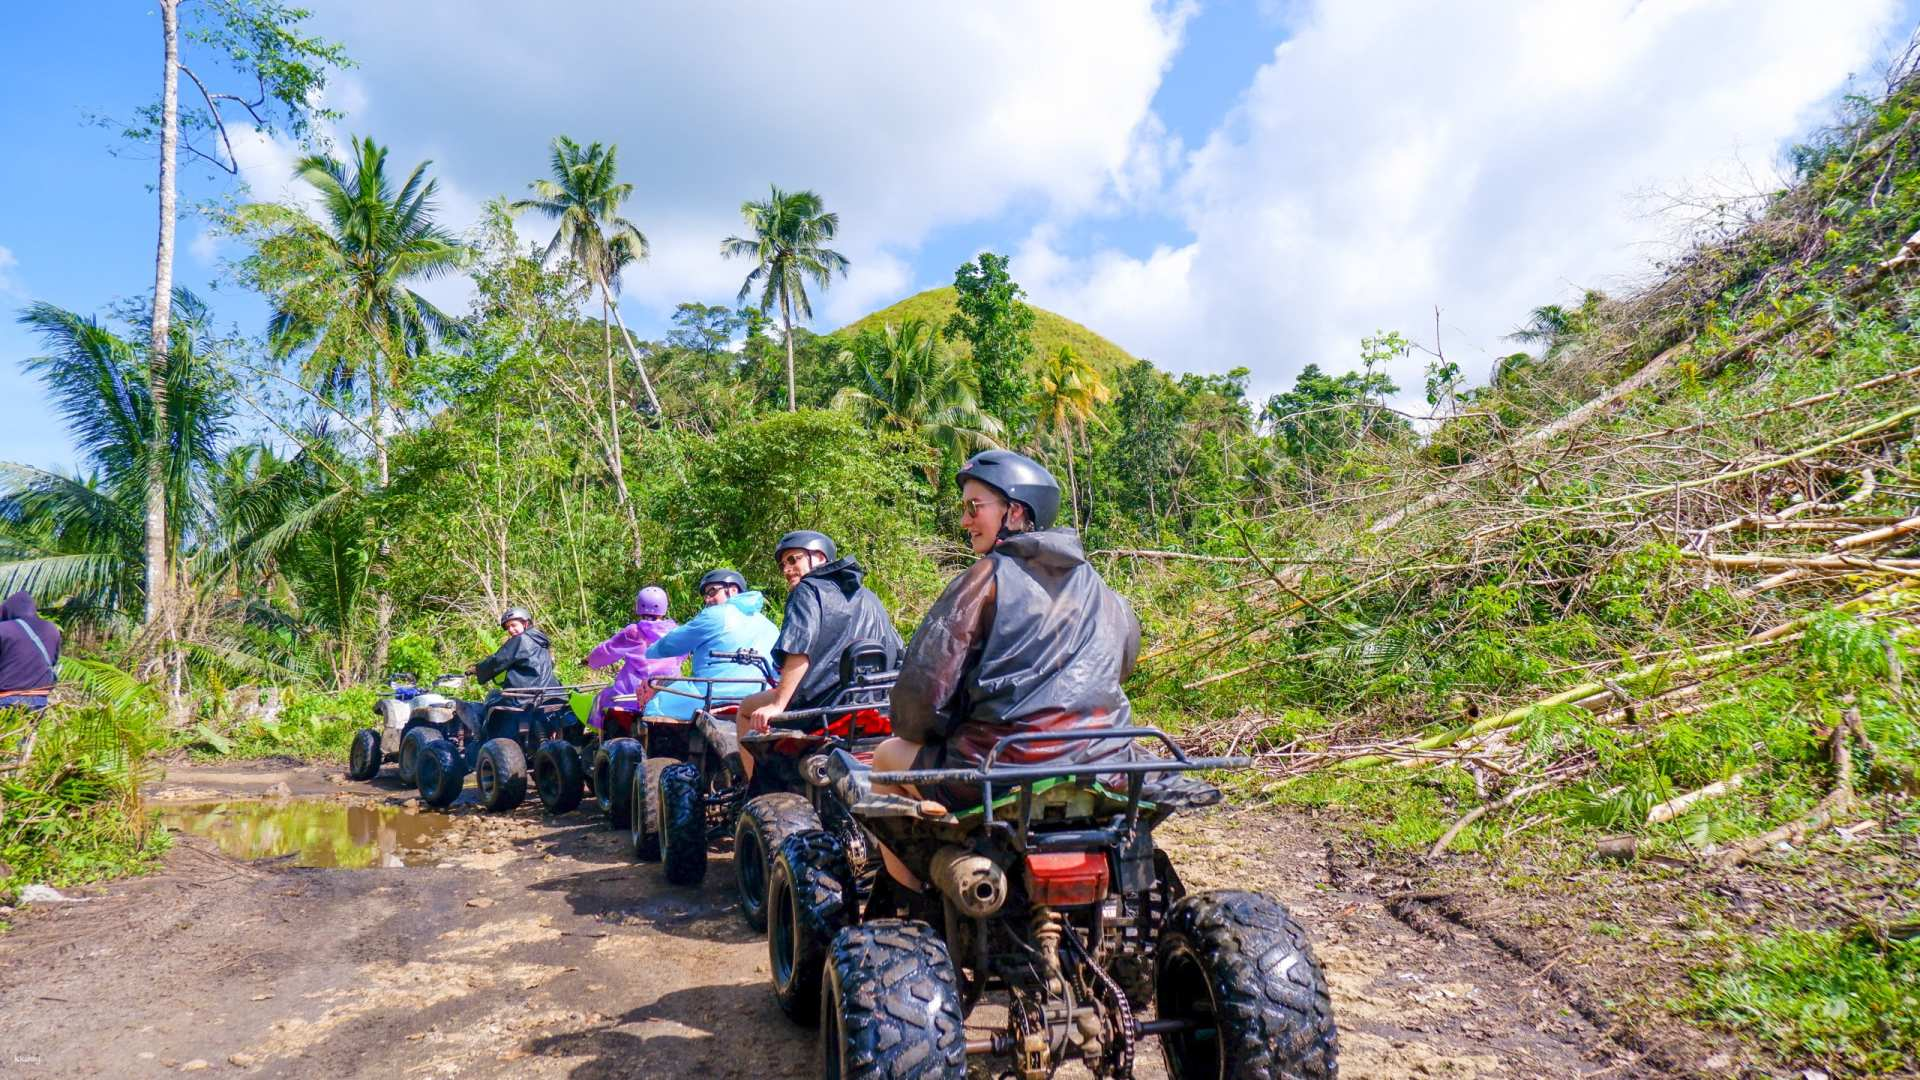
897	755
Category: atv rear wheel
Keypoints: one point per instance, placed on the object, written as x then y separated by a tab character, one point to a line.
645	801
1239	969
765	823
558	776
363	760
893	1006
441	773
613	768
501	773
683	825
411	743
809	889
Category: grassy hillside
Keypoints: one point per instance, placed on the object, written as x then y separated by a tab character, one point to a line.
1050	331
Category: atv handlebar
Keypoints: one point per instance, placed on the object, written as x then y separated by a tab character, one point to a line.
749	658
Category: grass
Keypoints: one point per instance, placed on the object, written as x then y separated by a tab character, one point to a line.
72	815
1050	331
311	726
1837	997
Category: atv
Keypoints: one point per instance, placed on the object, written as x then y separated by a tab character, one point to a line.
491	741
1046	891
706	752
405	707
704	800
574	759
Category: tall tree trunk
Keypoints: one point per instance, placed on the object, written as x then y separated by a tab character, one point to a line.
613	404
1073	486
786	317
382	603
634	352
159	603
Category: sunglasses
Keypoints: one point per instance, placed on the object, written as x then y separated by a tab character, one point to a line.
711	589
971	507
795	557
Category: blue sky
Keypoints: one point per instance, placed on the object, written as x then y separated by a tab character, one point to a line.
1168	174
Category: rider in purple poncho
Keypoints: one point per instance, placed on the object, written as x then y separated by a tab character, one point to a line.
628	648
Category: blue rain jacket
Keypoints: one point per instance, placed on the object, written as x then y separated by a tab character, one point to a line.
736	624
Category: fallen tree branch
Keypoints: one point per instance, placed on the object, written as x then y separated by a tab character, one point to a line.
1807	562
1898	528
1906	255
1837	802
1883	424
1481	811
1679	804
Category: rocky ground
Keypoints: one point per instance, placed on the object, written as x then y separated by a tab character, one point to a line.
529	946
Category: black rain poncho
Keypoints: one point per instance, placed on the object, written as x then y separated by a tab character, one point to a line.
526	659
828	611
1027	639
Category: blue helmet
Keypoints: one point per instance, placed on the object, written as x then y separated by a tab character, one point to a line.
805	540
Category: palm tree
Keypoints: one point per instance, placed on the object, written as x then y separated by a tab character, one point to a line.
585	199
80	541
789	231
342	286
908	379
1069	391
342	291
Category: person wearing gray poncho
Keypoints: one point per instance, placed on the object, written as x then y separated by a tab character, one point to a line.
1027	639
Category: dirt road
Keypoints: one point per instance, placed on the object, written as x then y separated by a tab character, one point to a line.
534	947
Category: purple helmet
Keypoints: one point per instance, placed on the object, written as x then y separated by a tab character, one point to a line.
651	603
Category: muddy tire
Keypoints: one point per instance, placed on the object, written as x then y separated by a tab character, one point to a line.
558	776
501	775
892	1009
411	743
363	759
809	900
645	801
1237	965
440	773
765	823
683	825
613	768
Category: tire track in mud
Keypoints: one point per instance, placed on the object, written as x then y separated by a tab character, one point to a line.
537	948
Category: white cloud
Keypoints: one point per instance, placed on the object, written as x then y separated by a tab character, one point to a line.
1394	156
9	274
907	118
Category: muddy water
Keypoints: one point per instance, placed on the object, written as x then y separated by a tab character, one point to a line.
315	833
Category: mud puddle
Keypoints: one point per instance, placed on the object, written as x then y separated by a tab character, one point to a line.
332	834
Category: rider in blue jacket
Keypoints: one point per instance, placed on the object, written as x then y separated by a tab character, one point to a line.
732	620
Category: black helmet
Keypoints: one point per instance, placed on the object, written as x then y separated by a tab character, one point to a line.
513	613
722	577
1019	478
805	540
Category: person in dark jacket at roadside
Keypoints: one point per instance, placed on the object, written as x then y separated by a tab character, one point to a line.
29	654
829	610
1028	639
524	661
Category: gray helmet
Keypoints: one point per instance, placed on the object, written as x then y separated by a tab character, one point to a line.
513	613
1019	478
805	540
722	577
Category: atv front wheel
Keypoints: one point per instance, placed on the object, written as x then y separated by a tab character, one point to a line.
613	780
363	761
893	1006
441	773
765	823
808	889
683	825
411	743
501	774
558	776
645	802
1239	970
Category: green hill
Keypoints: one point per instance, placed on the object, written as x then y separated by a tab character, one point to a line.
1050	331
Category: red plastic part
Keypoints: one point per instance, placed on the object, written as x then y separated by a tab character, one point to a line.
619	722
860	725
1067	878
